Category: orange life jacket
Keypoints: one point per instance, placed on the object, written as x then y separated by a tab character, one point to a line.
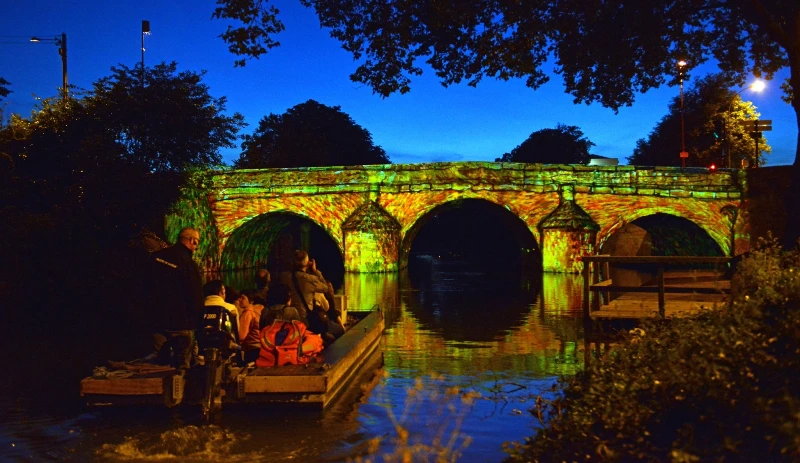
287	342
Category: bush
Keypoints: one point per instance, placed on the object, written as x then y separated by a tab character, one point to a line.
716	387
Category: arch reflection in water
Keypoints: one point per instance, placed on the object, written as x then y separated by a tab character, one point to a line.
458	327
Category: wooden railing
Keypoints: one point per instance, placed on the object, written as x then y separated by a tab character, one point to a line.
594	264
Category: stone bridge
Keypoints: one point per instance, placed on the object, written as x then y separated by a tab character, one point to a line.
373	213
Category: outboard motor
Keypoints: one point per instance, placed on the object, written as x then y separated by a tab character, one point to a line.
216	338
217	330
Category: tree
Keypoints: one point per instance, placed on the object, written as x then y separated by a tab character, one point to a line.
712	117
169	122
84	176
564	144
309	134
94	158
605	51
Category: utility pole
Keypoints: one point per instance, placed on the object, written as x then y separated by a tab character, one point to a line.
61	43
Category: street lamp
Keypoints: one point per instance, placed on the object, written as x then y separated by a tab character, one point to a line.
684	154
757	86
61	43
145	31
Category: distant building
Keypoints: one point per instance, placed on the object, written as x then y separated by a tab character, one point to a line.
595	160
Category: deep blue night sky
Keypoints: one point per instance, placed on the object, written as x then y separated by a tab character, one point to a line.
431	123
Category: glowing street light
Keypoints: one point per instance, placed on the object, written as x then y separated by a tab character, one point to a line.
61	43
757	86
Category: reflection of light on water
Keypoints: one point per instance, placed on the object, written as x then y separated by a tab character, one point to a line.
200	443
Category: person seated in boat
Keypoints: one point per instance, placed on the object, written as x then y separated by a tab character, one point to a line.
263	279
303	281
214	292
314	296
232	297
279	306
249	329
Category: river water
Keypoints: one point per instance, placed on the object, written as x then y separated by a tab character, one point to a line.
464	355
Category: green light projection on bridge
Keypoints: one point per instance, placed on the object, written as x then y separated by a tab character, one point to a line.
249	246
193	210
327	197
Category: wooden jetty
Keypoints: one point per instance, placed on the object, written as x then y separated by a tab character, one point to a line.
672	293
314	383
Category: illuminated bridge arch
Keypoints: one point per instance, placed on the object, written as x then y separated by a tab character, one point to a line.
524	232
249	245
715	223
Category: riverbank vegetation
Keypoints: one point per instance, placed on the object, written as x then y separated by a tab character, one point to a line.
85	178
717	387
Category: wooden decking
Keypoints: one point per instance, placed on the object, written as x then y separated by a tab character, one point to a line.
670	294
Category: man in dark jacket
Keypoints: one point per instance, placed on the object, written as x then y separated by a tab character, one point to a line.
177	300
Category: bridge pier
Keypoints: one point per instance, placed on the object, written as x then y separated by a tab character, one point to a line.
371	240
567	233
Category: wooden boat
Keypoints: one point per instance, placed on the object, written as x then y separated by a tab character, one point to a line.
315	384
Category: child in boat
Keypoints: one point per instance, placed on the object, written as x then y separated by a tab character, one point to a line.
279	306
250	315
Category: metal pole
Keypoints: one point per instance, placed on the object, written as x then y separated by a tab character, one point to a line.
143	58
145	31
62	50
727	145
683	137
757	136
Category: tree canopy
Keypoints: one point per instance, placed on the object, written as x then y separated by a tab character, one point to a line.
96	155
166	123
712	117
309	134
4	91
605	52
564	144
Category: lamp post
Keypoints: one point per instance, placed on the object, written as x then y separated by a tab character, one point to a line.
757	86
684	154
145	31
61	43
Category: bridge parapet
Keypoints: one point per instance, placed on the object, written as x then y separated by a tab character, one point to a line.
610	195
537	178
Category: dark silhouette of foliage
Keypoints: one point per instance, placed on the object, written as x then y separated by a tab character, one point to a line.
253	39
85	175
168	124
712	113
102	152
564	144
716	387
309	134
4	91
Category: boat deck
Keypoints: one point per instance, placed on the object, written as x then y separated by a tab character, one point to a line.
313	383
